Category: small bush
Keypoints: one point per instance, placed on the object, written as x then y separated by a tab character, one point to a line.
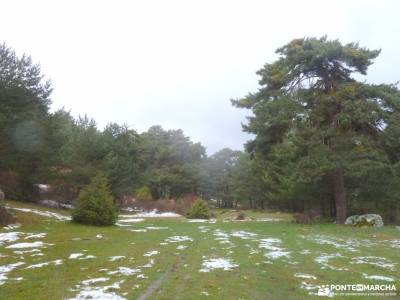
5	217
143	194
95	204
241	216
199	210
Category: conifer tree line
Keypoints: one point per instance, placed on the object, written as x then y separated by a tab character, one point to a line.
324	141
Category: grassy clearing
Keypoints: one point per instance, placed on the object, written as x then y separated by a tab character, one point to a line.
268	254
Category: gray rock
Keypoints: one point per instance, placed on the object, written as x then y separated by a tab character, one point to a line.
372	220
2	195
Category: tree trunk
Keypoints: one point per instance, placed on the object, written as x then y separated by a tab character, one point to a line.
340	196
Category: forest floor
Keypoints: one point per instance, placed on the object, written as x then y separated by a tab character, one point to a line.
265	257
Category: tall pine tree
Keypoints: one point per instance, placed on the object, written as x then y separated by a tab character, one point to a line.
314	121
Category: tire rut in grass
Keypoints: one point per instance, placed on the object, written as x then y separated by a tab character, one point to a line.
164	277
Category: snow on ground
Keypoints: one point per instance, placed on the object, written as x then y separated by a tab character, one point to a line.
181	247
245	235
178	238
305	276
269	220
36	244
381	262
43	213
156	228
197	221
4	270
324	259
378	277
12	226
222	237
348	245
131	220
155	214
149	264
115	258
316	289
273	245
97	292
94	280
210	264
8	237
26	251
80	256
151	253
36	236
203	229
53	262
125	271
139	230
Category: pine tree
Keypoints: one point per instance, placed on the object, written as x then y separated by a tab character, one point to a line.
95	204
314	122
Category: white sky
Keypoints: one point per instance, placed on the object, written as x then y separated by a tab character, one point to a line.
177	63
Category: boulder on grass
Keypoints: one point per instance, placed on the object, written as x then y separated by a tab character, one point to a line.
368	220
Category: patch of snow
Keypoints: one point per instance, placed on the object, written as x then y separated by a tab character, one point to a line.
115	258
141	276
54	262
26	251
198	221
275	251
244	235
181	247
125	271
99	236
4	270
225	264
381	262
37	244
269	220
99	293
131	220
338	243
305	276
324	259
151	253
203	229
395	243
320	291
8	237
305	251
149	264
138	230
155	214
12	226
36	236
95	280
75	255
80	256
43	213
378	277
177	239
156	228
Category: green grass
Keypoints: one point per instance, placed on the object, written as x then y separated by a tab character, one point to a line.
256	277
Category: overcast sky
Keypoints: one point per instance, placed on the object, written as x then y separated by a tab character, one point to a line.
178	63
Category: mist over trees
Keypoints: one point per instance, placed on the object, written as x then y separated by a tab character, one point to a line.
324	141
